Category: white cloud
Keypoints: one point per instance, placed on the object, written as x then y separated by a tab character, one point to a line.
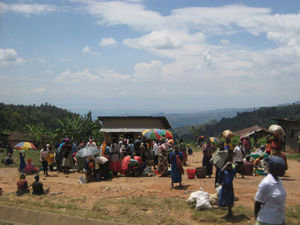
63	60
129	13
40	90
41	60
87	50
27	9
108	42
148	71
225	42
9	56
84	76
194	54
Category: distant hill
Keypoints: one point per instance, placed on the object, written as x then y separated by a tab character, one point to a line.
184	119
15	117
263	117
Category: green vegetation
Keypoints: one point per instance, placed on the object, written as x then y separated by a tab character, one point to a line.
48	124
139	210
262	117
16	117
295	156
32	154
5	223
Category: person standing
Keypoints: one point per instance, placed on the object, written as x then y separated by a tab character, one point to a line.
50	158
155	153
182	149
176	158
22	162
270	196
91	143
115	158
226	195
67	160
208	149
163	160
238	159
43	158
219	160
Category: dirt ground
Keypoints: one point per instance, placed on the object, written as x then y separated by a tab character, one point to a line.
245	189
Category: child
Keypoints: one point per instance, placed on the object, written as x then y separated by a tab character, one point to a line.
226	195
190	150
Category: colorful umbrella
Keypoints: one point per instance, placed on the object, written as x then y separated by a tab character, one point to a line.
214	140
151	134
24	145
165	133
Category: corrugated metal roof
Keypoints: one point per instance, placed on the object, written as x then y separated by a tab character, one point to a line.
123	130
250	130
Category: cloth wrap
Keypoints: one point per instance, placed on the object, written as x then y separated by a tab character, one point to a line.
276	165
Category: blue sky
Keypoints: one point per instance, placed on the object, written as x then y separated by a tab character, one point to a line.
147	56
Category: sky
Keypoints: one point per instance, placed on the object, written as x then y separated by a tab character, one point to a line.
149	56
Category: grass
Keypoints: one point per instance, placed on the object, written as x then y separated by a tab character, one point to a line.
241	215
5	223
33	154
140	210
294	156
293	215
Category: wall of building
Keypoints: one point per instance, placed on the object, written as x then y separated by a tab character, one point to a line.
292	130
133	123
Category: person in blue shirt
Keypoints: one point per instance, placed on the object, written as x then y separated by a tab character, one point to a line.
226	194
176	158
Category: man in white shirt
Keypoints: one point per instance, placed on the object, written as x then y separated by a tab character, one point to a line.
270	196
155	153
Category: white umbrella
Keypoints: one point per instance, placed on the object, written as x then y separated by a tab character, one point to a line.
87	151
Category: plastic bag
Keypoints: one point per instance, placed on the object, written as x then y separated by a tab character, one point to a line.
81	180
201	198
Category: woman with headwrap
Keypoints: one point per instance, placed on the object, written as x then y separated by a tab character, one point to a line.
270	196
176	158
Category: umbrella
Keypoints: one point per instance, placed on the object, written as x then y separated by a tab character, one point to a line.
151	134
166	133
24	145
214	140
87	151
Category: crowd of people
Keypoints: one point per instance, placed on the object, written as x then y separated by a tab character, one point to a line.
144	157
124	156
245	159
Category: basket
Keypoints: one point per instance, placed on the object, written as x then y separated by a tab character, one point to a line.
191	173
201	172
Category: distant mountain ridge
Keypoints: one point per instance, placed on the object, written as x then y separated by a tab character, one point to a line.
263	117
185	119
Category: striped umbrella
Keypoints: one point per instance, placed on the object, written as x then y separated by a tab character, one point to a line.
24	145
151	134
165	133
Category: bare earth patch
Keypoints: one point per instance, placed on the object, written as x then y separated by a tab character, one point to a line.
143	200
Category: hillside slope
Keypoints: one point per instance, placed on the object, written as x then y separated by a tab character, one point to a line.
15	117
263	117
